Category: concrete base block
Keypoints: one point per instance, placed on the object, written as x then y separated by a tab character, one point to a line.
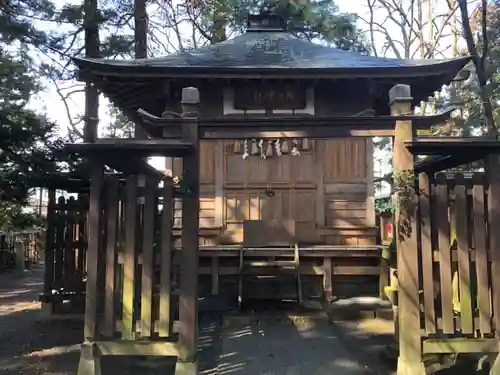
185	368
495	369
406	367
90	360
47	309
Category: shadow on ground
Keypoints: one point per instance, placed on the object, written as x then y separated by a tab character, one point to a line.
31	344
257	341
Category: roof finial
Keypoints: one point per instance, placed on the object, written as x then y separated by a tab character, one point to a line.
266	20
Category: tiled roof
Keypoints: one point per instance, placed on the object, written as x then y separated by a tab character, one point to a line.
269	49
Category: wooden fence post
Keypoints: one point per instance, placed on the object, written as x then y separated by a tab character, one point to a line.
410	349
19	248
47	307
188	301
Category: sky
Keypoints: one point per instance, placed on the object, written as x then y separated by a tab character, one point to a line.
52	104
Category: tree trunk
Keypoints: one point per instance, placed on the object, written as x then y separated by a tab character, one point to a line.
91	26
140	44
479	63
219	22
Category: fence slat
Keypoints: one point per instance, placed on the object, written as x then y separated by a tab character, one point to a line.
147	258
483	282
111	234
427	255
50	243
443	226
82	235
129	258
69	248
466	318
59	243
167	222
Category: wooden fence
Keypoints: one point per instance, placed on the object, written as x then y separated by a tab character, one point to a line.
66	246
27	243
456	303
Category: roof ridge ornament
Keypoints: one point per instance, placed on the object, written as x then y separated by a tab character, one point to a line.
266	20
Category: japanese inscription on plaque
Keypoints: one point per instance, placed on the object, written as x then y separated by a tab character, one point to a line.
269	97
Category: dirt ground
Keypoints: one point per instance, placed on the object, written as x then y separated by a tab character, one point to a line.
31	344
277	343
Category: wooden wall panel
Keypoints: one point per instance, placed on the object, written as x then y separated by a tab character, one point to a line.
331	174
345	212
207	212
303	167
305	216
253	205
345	160
207	162
257	171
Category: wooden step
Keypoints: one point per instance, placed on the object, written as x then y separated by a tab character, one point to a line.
271	263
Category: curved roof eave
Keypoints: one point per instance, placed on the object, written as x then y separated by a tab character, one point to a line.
412	68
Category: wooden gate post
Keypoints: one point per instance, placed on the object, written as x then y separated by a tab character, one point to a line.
410	347
188	300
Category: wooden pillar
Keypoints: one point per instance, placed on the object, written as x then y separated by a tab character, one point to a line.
410	352
188	301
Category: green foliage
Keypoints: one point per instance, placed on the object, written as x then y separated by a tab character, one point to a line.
119	126
404	188
29	144
311	19
384	205
466	95
15	217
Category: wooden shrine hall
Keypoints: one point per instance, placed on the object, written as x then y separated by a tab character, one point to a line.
268	141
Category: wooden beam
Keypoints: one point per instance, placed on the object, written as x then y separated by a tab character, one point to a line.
131	348
341	132
303	269
459	345
229	127
476	147
137	147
